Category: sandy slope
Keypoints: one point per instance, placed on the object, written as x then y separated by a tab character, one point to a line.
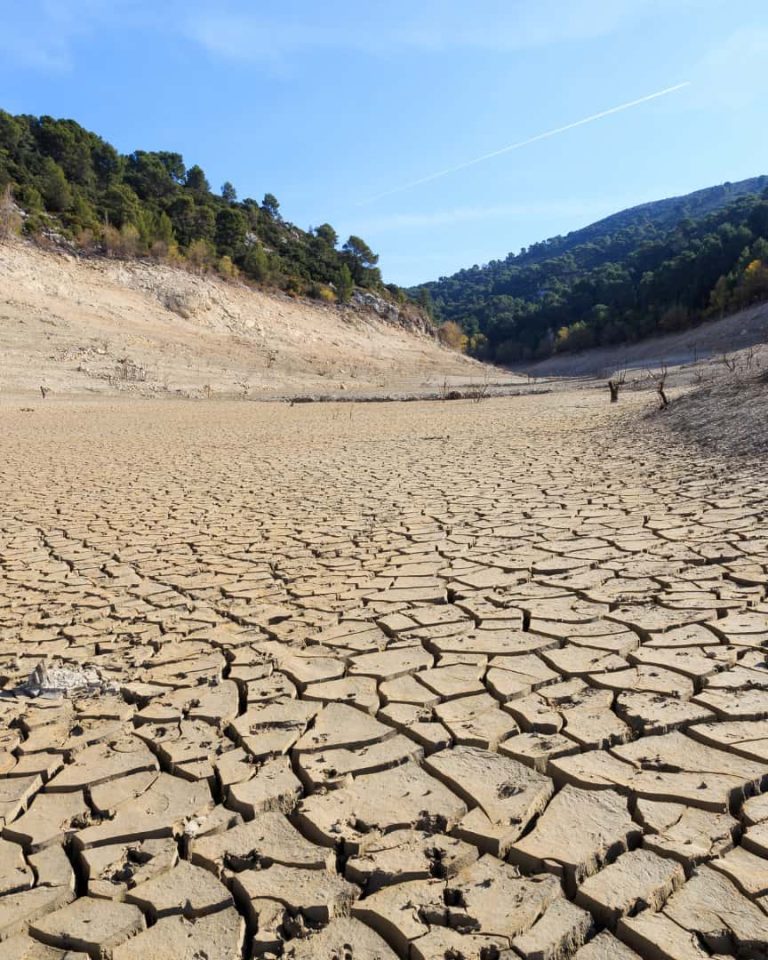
66	323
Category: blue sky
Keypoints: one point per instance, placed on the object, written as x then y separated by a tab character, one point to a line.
331	104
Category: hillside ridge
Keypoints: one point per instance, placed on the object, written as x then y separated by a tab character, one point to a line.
656	268
59	180
664	213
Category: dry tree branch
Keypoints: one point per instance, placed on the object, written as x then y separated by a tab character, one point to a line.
660	379
730	361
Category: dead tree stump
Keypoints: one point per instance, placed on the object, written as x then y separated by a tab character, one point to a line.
615	384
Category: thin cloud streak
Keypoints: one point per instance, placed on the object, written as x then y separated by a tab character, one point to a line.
431	26
525	143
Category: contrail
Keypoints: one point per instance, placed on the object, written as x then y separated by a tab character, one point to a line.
525	143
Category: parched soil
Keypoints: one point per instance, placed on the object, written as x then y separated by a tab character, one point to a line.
478	680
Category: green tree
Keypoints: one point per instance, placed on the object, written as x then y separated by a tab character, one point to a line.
192	220
226	268
256	263
271	206
424	300
120	205
162	229
326	233
360	259
360	251
54	187
81	214
345	284
107	163
150	175
196	182
182	213
204	223
228	192
231	227
29	198
174	164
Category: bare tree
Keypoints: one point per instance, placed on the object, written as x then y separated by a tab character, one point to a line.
699	375
479	392
748	363
729	361
750	358
660	379
616	383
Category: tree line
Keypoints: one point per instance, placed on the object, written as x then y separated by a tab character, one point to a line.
70	181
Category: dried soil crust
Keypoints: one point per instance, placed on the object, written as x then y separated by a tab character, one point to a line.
427	682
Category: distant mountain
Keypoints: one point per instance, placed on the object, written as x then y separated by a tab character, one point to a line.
656	267
660	214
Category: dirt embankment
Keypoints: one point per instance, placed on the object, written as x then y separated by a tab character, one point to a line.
727	416
100	326
709	341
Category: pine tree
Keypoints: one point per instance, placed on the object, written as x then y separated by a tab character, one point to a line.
345	285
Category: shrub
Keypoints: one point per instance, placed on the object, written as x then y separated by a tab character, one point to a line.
10	218
200	256
121	243
319	291
86	240
579	336
226	268
452	336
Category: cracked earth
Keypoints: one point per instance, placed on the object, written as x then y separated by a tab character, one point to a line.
412	681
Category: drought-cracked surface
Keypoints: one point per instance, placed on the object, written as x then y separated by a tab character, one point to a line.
422	681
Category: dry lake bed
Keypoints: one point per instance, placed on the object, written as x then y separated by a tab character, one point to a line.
364	681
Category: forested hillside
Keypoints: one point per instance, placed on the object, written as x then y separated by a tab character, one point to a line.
655	268
70	181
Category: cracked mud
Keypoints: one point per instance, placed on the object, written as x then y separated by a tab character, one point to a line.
418	681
